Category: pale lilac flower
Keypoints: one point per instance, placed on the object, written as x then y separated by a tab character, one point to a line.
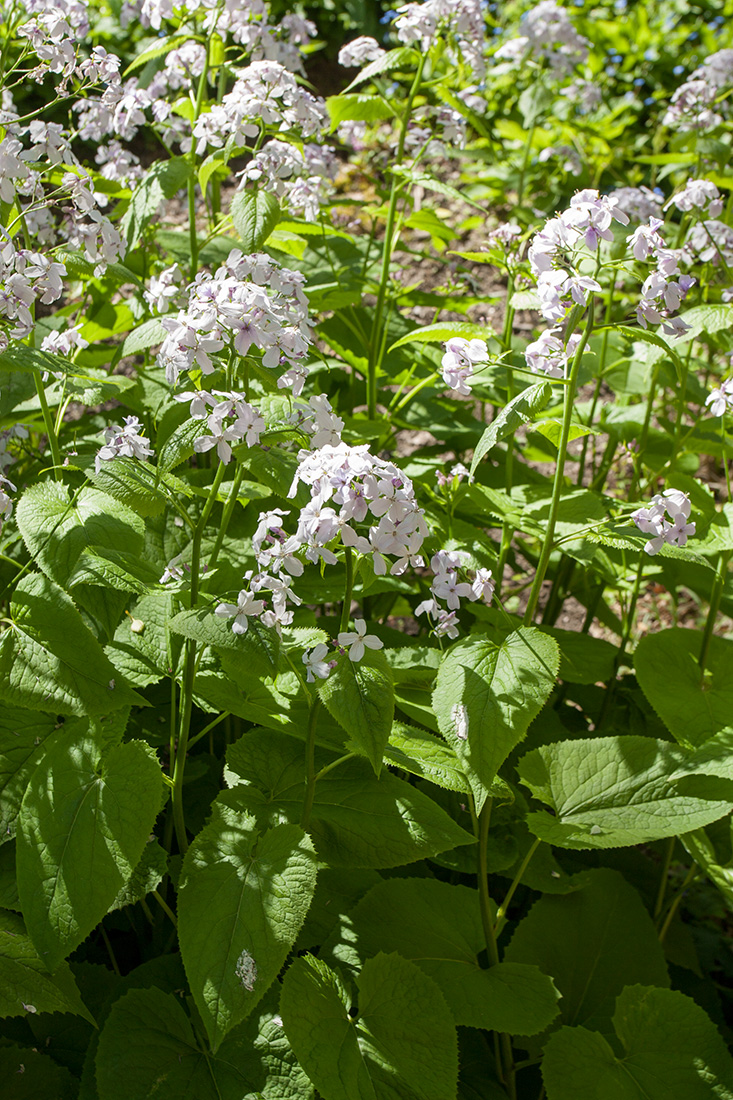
127	441
459	360
698	195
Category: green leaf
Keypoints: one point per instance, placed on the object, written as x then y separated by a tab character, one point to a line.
136	484
149	1048
146	877
146	656
22	738
692	705
81	835
145	336
438	926
402	57
49	660
260	646
215	161
255	214
161	46
357	108
358	820
609	792
242	899
115	569
19	357
29	1075
520	410
671	1049
486	694
360	696
161	181
444	330
26	986
706	320
422	753
401	1046
551	429
583	658
56	528
592	943
655	340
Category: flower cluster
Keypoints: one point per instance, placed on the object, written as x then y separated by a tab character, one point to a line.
128	441
698	195
359	52
697	104
300	178
264	94
585	223
550	38
665	520
316	416
434	130
659	291
229	419
26	278
454	478
420	24
458	362
446	586
363	486
249	302
550	355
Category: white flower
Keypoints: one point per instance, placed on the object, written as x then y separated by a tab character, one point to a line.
316	664
721	398
355	642
245	607
355	54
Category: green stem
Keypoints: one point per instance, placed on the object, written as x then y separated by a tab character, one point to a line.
227	516
502	910
346	605
207	729
644	434
310	763
534	595
504	1055
668	853
374	355
335	764
166	908
484	821
200	92
715	598
691	874
51	435
189	674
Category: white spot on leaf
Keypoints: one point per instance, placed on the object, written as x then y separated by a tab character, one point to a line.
459	718
246	971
